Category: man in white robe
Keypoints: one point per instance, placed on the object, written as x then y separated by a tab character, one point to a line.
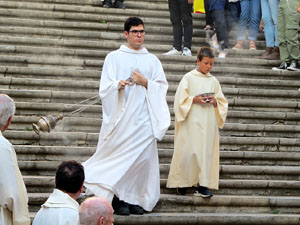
13	194
135	116
61	208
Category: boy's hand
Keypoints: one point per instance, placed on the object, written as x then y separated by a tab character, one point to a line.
213	101
203	100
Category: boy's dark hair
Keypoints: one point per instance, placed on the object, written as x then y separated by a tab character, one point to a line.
205	52
132	21
69	176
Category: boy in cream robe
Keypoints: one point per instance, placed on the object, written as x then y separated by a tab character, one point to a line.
195	160
13	194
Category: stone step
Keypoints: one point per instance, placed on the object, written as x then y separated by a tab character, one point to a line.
227	172
92	125
44	183
88	54
110	44
217	204
60	82
104	35
90	139
60	153
194	218
62	95
67	28
131	6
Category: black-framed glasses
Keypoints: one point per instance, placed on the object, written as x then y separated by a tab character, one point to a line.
136	32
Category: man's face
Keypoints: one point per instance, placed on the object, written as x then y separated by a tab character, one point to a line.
135	37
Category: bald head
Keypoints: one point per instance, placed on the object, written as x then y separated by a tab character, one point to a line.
95	211
7	110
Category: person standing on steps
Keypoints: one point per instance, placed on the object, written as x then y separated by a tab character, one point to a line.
117	4
200	110
182	21
13	194
250	12
133	89
269	9
288	24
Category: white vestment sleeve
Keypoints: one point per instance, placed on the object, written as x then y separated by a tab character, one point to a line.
157	104
112	98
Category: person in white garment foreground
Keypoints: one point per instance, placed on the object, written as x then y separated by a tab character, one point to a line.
13	194
135	113
61	207
200	110
95	211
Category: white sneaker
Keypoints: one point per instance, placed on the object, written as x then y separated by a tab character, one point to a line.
186	51
222	55
215	43
174	51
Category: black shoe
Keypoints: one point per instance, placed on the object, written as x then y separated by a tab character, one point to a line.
283	66
203	192
107	4
181	191
136	209
119	4
294	66
120	207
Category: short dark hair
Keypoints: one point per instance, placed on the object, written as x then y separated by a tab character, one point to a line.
205	52
132	21
69	176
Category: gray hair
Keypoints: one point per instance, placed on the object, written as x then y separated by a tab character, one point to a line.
7	109
92	209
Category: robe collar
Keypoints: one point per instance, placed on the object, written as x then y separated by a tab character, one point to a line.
124	48
199	74
59	199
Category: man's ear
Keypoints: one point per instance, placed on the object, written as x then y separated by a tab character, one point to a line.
10	119
126	34
7	124
101	220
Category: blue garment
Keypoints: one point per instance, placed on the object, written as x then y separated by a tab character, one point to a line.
269	9
216	4
250	11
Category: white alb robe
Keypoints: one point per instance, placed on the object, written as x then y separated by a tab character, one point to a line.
13	194
59	209
126	160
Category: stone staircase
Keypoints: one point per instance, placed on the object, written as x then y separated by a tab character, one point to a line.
51	55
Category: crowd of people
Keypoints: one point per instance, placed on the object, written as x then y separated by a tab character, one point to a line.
278	19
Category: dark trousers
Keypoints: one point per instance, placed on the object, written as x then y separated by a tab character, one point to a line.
182	21
208	17
224	20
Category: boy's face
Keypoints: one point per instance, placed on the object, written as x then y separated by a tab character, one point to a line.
205	65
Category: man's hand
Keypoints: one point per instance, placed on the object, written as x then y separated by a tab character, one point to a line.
122	84
298	7
190	1
139	78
